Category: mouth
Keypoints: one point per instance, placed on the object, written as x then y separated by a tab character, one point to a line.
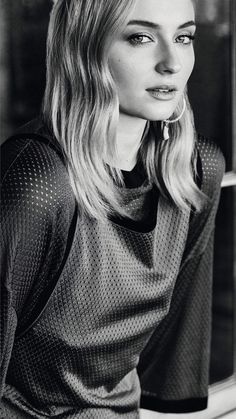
164	92
163	88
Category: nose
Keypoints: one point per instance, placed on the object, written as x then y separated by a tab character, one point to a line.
168	60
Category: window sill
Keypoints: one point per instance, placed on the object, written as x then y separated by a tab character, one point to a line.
229	179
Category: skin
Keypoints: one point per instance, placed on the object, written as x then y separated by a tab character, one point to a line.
145	57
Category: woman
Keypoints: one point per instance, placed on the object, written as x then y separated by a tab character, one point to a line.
109	201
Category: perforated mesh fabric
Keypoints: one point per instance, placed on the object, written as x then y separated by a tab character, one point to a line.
185	332
108	291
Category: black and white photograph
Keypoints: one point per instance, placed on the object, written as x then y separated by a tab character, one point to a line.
118	209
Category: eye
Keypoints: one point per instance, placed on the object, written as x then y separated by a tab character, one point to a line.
139	39
185	39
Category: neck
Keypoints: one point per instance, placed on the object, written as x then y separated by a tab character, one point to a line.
129	135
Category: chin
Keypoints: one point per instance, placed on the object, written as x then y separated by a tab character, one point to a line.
156	116
158	112
161	110
150	112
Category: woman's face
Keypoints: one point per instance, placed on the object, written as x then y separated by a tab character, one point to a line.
153	58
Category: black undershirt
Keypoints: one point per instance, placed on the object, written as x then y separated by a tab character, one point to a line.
134	179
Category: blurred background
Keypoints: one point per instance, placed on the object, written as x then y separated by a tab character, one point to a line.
23	31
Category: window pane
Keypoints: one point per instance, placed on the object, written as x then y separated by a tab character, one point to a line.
210	86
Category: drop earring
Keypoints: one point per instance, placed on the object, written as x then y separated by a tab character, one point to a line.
166	122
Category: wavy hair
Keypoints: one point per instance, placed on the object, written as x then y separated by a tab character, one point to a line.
81	107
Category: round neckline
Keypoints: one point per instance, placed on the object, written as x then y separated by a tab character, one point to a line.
136	177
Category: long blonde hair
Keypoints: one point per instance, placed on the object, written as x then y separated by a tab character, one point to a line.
81	106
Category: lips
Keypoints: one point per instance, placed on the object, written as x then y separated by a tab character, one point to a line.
163	89
163	92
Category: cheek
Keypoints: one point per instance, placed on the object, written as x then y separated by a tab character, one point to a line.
124	72
188	65
191	62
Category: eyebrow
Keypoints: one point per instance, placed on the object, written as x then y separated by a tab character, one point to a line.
156	26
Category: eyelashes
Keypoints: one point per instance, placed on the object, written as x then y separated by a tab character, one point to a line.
141	39
185	39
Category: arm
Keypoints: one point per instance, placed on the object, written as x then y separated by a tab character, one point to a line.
174	365
37	210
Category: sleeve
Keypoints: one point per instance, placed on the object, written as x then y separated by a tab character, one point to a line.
174	366
36	212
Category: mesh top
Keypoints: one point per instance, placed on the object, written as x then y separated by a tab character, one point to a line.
85	303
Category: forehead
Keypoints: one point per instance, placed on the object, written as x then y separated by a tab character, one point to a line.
163	12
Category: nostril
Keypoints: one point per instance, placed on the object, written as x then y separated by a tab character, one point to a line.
168	60
168	67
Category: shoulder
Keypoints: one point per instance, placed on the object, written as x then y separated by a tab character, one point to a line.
31	144
33	167
210	167
212	164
